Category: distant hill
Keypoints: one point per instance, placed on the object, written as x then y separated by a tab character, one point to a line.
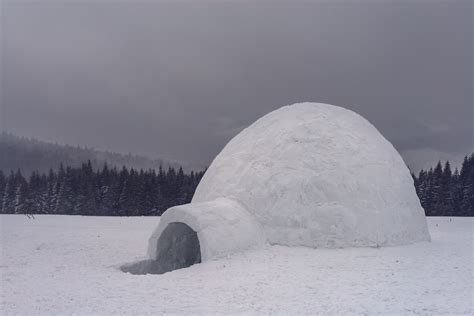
33	155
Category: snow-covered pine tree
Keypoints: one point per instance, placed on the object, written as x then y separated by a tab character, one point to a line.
466	178
456	193
445	199
8	199
3	184
20	206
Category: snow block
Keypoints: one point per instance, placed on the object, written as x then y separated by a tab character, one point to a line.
223	226
318	175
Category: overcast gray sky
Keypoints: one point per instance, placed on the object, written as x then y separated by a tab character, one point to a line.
179	79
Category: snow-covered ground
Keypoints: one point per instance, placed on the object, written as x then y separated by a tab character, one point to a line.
67	264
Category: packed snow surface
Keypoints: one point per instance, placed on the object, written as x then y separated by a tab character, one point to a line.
62	265
317	175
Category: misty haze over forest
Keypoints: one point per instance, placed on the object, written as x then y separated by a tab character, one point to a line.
30	155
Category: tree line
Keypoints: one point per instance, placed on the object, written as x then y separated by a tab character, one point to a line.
129	192
443	192
104	192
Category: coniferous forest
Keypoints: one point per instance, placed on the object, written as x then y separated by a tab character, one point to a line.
444	192
104	192
129	192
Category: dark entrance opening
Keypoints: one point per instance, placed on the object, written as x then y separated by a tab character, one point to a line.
178	247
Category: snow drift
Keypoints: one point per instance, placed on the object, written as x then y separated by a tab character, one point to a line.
308	174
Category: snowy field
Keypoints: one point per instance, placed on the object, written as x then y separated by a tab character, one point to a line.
69	265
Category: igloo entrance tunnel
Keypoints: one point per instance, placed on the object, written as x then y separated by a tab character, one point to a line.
307	174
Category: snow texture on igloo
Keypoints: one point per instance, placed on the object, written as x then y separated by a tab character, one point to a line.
307	174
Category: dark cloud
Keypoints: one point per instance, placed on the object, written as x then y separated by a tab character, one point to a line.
180	79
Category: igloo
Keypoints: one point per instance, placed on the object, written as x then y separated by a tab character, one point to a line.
307	174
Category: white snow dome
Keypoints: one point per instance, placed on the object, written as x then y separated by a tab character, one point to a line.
307	174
